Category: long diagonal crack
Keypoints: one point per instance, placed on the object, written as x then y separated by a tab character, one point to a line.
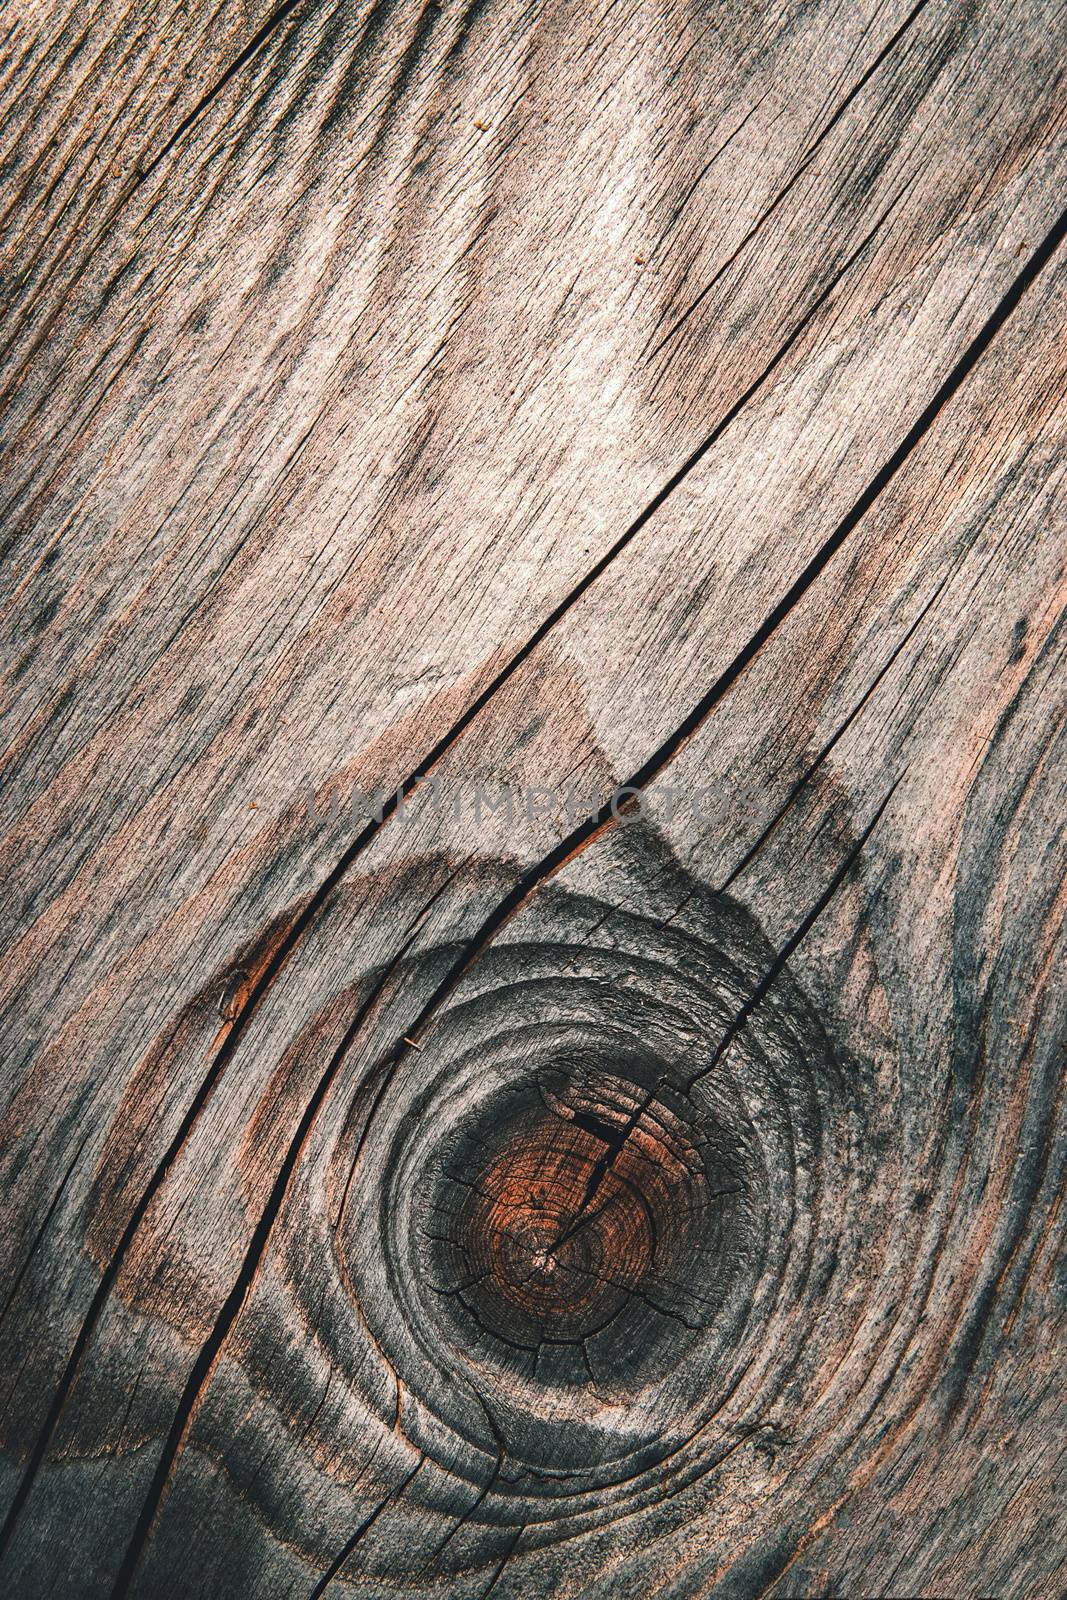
365	1526
201	1370
251	49
498	1570
777	966
813	766
750	1006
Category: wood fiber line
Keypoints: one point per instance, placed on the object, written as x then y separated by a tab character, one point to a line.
255	44
783	194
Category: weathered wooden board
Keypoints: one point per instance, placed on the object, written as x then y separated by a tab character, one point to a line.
630	440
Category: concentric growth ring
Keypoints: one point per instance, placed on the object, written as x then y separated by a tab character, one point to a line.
574	1223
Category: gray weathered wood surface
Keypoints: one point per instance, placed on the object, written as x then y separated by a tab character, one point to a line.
542	400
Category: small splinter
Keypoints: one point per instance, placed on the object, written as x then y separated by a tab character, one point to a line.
415	1045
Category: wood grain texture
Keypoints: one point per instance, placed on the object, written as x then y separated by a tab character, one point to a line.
628	441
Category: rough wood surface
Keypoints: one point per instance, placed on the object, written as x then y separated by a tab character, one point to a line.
533	718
